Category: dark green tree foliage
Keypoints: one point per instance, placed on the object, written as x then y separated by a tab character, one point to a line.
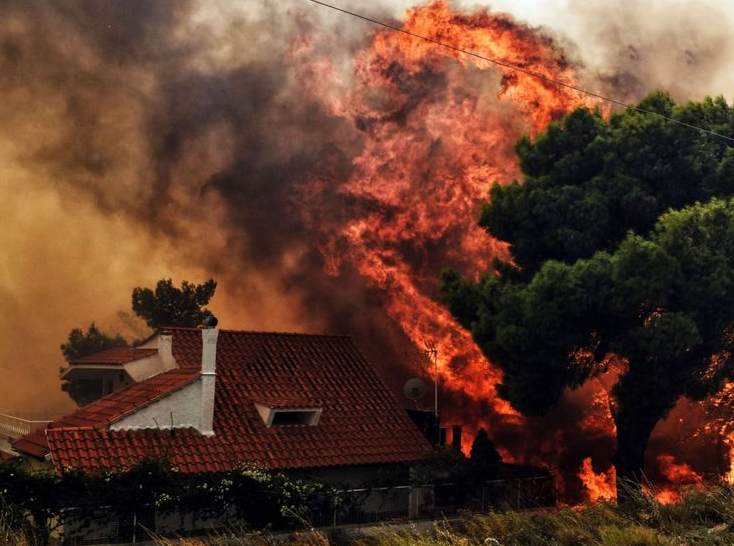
587	181
168	305
82	344
92	341
597	271
37	501
440	465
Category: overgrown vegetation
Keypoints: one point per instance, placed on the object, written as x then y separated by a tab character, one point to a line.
36	504
33	503
703	517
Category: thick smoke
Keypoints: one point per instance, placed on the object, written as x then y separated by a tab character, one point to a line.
683	47
141	140
149	140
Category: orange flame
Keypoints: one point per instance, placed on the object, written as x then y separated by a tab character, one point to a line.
718	411
678	473
601	485
432	150
729	441
667	496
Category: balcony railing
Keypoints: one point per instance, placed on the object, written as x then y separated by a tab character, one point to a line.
12	426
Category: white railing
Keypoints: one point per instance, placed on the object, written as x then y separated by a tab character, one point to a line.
15	427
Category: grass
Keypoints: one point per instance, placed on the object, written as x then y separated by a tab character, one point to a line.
701	518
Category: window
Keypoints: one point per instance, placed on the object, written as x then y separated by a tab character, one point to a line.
284	416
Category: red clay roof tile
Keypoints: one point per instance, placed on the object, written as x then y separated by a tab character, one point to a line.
116	355
361	421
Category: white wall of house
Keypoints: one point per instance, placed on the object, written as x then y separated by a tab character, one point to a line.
180	409
143	368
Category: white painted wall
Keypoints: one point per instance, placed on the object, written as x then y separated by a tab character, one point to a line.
180	409
144	368
190	406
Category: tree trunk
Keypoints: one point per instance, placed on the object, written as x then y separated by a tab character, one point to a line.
633	436
635	419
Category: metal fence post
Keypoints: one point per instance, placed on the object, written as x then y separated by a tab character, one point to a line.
519	484
412	504
335	508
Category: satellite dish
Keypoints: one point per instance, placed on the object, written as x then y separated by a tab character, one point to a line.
414	388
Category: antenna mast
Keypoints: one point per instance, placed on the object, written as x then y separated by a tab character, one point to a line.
431	352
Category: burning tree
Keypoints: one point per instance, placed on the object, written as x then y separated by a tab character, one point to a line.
603	268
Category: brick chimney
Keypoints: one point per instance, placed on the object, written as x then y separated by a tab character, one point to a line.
209	334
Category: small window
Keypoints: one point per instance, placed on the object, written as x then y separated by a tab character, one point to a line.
285	417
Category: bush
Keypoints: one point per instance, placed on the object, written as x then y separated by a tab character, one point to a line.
36	503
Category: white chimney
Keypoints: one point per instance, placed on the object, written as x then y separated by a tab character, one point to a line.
165	350
209	336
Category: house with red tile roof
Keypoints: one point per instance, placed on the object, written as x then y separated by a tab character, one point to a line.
109	370
211	399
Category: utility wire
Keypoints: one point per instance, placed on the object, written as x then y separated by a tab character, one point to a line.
520	69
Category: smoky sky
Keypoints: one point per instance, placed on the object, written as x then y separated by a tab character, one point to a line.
188	126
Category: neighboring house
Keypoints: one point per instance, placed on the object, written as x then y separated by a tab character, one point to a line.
108	371
210	399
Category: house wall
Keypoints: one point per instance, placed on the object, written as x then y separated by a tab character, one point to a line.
144	368
180	409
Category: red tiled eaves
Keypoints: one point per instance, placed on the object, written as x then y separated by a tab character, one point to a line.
95	450
117	355
106	410
361	421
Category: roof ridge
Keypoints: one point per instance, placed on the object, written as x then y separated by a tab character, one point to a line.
125	388
129	351
85	428
262	332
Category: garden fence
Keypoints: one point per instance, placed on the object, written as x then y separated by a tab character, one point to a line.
347	507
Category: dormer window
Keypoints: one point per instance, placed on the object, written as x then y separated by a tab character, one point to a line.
283	415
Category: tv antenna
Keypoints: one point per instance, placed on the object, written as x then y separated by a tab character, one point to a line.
431	351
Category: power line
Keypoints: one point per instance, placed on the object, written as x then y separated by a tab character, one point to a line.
523	70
